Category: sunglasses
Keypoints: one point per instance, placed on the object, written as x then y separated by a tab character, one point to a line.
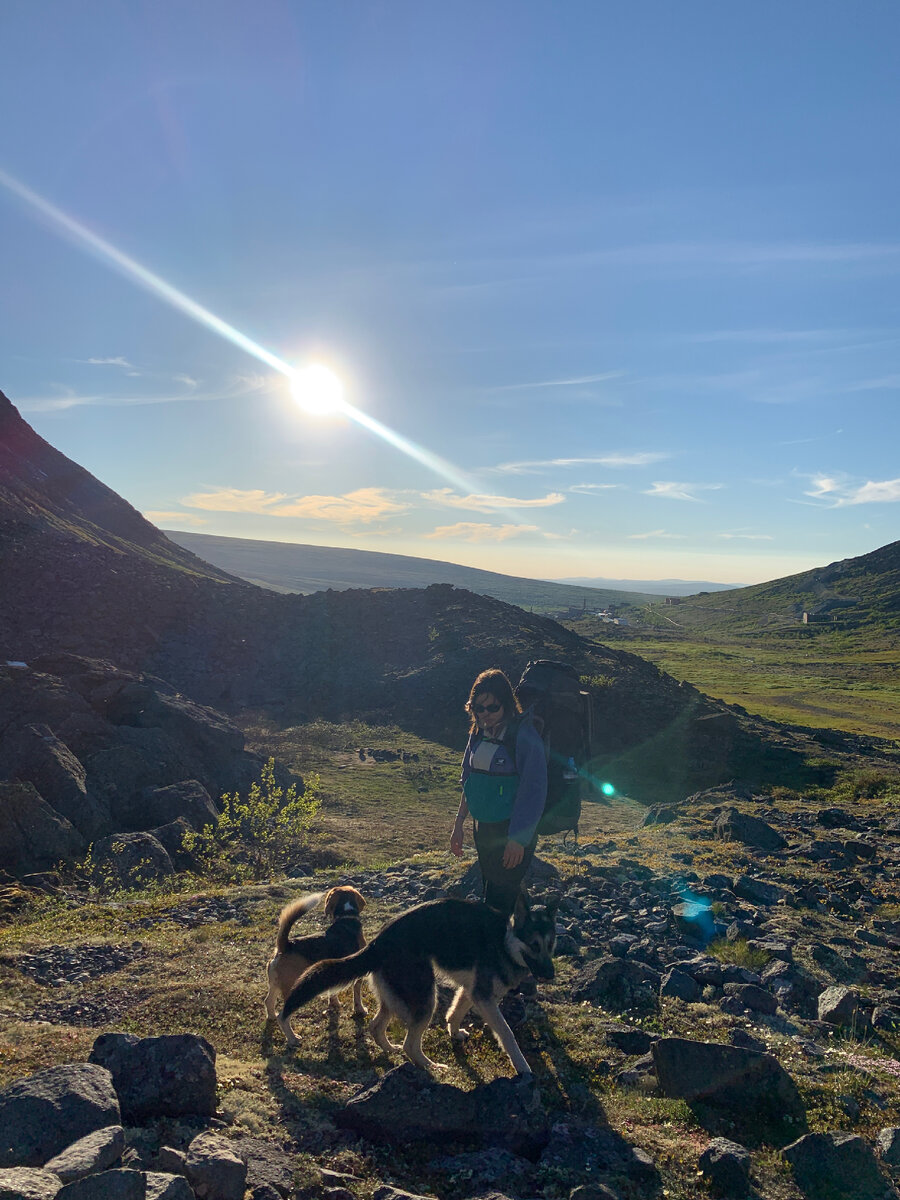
486	708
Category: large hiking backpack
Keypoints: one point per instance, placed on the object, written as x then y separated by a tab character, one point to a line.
551	694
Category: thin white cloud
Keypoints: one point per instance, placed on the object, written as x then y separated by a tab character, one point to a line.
590	489
118	361
364	505
841	492
616	460
574	381
749	537
447	498
471	531
656	533
886	383
187	380
158	517
65	397
680	491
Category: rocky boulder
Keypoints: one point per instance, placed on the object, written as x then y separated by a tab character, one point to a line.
34	754
751	1086
732	825
725	1165
837	1166
42	1115
407	1105
618	984
170	1076
131	859
33	836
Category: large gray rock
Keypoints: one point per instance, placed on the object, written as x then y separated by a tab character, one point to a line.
407	1105
617	984
161	1186
90	1154
33	836
758	891
121	1184
750	1085
213	1169
838	1006
28	1183
837	1166
732	825
188	799
725	1165
132	859
41	1115
680	985
34	754
169	1076
889	1145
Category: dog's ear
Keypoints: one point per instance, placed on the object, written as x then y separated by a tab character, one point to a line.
553	904
330	901
360	900
522	911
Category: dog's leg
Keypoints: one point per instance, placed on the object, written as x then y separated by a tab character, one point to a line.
462	1002
271	1006
359	1009
496	1022
378	1027
412	1046
285	1024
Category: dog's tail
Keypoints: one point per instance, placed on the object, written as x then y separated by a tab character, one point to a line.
331	975
293	912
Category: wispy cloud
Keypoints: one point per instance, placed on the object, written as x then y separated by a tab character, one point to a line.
656	533
158	517
108	362
680	491
471	531
613	460
187	380
364	505
749	537
590	489
64	397
447	498
839	491
573	381
886	383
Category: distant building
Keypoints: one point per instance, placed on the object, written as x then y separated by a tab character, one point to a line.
674	599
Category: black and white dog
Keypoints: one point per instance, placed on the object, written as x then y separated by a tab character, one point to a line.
462	943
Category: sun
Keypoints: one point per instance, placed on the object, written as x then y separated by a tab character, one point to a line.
318	391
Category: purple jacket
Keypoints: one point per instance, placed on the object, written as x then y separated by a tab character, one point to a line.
530	766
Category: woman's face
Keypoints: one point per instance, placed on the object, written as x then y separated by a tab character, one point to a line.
488	711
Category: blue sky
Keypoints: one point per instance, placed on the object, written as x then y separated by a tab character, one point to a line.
628	273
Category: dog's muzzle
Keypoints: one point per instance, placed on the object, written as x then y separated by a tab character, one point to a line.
541	967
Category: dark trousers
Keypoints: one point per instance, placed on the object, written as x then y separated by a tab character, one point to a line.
501	885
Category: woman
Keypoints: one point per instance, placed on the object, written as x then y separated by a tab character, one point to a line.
504	782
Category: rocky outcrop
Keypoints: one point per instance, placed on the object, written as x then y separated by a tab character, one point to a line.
172	1076
91	752
42	1115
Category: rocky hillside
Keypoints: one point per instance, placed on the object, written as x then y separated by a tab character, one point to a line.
860	593
86	580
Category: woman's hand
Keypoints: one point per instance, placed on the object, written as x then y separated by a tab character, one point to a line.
513	854
456	839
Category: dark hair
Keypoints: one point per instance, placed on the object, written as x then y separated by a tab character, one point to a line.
495	682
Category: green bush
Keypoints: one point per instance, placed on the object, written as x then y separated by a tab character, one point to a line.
260	834
739	952
866	784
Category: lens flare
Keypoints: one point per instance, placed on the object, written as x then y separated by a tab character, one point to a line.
607	789
323	392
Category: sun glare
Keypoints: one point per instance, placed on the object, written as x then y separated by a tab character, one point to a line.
318	391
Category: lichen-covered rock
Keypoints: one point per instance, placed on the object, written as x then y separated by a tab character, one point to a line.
33	836
407	1105
41	1115
28	1183
213	1169
120	1184
837	1166
169	1076
726	1167
89	1155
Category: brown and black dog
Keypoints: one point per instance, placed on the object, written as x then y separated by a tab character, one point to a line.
342	937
